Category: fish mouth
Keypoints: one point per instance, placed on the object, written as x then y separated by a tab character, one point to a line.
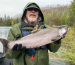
63	31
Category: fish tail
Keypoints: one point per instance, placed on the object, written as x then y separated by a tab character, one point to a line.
5	45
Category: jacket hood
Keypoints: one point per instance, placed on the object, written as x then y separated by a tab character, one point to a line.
27	6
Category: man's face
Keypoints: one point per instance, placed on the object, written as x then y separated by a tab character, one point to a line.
32	14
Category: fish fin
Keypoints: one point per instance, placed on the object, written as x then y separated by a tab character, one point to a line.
5	45
4	41
55	39
34	31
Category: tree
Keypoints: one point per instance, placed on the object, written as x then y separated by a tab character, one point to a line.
72	13
12	23
8	22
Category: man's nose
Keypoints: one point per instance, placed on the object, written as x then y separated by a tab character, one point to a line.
33	10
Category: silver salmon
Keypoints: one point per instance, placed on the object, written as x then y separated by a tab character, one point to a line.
39	38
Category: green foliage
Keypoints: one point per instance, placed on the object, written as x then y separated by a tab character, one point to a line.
69	42
56	15
72	13
70	57
8	21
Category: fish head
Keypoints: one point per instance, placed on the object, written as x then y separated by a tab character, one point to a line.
63	31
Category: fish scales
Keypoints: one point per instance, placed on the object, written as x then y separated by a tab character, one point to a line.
36	39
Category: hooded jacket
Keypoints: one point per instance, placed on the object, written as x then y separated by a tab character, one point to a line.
41	55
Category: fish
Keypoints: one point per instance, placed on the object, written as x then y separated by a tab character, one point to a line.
39	38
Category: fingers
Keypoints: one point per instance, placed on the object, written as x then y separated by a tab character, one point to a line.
15	47
58	41
19	47
24	49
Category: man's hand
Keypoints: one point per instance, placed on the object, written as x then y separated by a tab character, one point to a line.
59	41
18	47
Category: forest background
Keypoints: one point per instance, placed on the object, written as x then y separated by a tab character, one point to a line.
56	16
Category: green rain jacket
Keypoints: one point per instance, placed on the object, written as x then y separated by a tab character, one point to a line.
41	55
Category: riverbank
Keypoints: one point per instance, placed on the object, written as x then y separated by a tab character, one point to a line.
58	58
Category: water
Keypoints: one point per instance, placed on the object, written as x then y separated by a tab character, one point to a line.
3	34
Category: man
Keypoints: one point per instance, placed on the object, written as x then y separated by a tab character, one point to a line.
32	18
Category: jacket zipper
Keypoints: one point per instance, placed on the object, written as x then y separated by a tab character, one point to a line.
24	59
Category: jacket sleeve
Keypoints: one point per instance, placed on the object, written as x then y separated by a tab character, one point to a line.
11	54
53	47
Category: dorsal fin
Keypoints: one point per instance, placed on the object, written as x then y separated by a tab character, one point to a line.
34	31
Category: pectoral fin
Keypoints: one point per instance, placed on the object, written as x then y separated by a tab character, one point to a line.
55	39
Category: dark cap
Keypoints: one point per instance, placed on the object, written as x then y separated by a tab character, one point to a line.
32	6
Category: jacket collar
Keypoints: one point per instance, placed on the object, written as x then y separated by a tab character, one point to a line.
24	24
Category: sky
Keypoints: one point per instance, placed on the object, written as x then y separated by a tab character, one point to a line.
14	7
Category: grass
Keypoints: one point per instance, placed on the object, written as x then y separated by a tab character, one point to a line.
69	42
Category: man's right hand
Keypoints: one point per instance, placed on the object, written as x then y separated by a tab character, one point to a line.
18	47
